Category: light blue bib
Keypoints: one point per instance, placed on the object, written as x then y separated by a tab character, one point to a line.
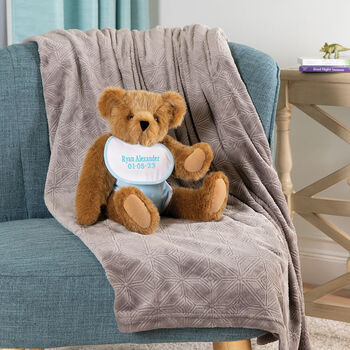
145	167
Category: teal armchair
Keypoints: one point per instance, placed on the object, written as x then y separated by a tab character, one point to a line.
53	291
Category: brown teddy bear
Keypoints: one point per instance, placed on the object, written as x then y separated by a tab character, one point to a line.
125	171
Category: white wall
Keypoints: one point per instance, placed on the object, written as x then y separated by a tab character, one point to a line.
283	29
286	30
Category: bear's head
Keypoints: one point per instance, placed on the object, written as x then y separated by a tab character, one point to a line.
141	117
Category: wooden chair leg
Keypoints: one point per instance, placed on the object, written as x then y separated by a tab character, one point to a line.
19	349
233	345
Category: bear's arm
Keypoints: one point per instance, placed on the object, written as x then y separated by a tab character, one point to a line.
191	162
95	184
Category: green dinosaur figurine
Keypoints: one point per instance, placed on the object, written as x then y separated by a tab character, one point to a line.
333	48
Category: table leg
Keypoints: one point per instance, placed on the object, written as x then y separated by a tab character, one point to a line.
283	150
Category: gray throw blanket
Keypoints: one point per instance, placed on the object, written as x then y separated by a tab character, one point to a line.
242	271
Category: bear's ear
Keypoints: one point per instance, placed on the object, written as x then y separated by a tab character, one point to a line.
178	107
110	97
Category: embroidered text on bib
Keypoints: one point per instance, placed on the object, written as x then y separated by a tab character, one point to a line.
146	167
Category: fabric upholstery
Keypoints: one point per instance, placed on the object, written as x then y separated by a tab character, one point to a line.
53	292
24	142
261	77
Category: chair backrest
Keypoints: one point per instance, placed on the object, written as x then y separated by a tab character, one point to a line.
24	142
261	76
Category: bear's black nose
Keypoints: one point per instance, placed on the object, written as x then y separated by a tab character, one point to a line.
144	125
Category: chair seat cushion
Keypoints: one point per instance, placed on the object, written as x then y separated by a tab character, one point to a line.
53	292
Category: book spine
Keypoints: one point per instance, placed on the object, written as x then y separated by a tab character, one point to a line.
324	69
324	62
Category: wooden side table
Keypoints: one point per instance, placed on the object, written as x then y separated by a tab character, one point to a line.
305	91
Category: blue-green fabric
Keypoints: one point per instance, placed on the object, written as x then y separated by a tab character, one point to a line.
107	10
24	144
40	16
260	74
53	292
79	14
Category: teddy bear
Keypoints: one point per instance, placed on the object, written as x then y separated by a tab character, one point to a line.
125	171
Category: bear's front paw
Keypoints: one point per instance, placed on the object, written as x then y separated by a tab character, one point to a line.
198	162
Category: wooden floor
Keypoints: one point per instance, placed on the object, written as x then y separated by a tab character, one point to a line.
339	298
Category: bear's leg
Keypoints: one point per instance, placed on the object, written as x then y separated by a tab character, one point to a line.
203	204
131	208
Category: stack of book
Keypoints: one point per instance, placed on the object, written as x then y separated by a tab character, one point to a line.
324	65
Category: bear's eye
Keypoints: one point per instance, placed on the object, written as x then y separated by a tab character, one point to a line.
155	118
130	116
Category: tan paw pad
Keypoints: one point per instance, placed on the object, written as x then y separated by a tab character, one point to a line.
195	160
219	196
137	210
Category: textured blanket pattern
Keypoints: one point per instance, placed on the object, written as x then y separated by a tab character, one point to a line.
242	271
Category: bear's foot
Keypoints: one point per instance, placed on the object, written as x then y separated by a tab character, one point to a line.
215	193
203	204
131	208
218	195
